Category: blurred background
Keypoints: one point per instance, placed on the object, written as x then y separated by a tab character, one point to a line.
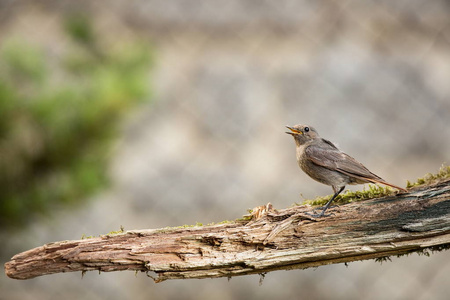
148	113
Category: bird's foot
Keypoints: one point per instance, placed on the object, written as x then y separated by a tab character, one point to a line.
323	207
321	214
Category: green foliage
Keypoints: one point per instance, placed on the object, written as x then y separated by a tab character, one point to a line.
78	28
58	116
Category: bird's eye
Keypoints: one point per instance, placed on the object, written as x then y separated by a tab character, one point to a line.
306	129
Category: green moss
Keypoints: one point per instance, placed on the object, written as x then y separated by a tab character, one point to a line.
444	173
122	229
171	228
219	223
226	222
373	191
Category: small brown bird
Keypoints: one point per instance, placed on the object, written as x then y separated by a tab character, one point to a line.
325	163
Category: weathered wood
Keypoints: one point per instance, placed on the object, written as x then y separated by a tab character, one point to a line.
282	239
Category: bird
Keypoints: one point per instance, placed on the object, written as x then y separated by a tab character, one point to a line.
324	162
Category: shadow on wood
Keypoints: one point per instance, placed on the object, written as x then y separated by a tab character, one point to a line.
276	240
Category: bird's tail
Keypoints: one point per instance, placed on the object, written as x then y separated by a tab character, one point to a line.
389	184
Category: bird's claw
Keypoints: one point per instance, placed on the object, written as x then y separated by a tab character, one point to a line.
318	215
323	207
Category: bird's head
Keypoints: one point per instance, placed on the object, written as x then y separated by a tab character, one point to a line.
302	133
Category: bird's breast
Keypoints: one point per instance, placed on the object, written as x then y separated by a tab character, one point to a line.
302	159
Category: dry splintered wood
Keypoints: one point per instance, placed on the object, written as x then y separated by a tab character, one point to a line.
272	240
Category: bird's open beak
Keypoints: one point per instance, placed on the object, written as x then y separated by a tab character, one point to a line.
293	131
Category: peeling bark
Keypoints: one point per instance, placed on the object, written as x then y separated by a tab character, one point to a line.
273	240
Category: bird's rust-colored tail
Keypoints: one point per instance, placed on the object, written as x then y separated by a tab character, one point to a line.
387	183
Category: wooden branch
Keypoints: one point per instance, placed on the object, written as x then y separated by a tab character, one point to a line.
283	239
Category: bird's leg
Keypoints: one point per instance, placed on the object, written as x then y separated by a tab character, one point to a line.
322	213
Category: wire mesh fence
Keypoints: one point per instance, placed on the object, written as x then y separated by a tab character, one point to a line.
226	78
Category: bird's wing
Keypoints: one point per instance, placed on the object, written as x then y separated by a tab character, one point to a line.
336	160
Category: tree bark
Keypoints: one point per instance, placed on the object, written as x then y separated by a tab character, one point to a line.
272	240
